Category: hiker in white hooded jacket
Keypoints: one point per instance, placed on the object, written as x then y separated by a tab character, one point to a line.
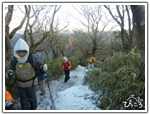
25	74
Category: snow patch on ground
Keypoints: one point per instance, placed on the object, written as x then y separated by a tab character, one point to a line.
75	98
72	95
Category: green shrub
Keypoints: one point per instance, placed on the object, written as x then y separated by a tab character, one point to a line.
74	62
83	62
118	78
53	66
97	64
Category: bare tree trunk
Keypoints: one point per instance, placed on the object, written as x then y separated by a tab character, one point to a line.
126	39
139	24
62	51
8	19
9	35
7	48
94	48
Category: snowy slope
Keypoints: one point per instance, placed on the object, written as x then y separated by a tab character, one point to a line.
72	95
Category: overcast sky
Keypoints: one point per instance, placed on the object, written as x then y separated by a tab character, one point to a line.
65	14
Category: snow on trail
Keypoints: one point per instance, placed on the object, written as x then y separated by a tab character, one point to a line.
72	95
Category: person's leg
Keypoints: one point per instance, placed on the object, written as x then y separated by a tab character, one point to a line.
88	65
23	98
92	65
68	74
42	86
32	97
65	76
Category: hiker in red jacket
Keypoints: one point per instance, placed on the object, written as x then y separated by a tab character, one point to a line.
67	65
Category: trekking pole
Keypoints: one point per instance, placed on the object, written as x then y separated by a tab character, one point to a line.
50	92
10	85
50	95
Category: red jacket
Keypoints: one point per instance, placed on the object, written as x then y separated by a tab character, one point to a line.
66	65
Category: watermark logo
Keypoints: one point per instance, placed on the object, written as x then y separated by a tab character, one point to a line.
133	102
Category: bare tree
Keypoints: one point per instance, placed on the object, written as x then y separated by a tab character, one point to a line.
116	43
83	42
129	35
54	38
9	35
53	44
94	24
32	21
139	24
49	30
61	44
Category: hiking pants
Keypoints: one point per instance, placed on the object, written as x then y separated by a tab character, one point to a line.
90	65
42	86
67	75
28	98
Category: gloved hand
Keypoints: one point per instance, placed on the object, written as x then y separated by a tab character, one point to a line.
91	62
9	74
44	67
59	65
69	67
11	106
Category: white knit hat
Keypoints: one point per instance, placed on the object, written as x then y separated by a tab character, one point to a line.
21	45
64	59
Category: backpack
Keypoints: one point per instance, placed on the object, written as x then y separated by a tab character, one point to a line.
41	75
67	63
30	60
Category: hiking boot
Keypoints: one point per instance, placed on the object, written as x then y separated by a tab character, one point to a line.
65	81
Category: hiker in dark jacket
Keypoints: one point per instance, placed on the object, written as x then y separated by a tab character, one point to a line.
67	65
103	60
25	74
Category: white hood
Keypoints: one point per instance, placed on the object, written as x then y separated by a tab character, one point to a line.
21	45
